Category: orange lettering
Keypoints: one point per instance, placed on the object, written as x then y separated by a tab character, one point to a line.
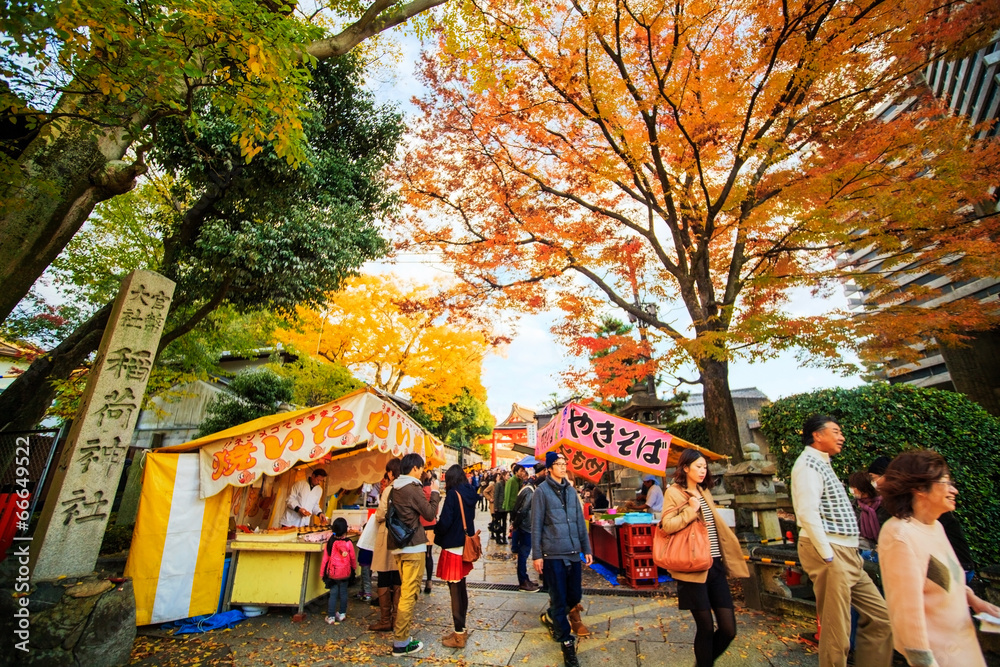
274	448
378	425
333	426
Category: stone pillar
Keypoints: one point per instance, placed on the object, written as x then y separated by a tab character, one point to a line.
71	528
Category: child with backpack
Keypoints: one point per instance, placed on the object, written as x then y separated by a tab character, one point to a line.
339	563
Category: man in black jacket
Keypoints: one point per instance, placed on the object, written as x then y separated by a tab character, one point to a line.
558	540
521	523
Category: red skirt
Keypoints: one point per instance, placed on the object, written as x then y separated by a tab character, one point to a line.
451	567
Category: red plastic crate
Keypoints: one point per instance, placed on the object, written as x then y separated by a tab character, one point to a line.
640	568
636	535
628	552
639	583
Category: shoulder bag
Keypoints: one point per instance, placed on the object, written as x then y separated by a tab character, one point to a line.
400	533
687	550
473	548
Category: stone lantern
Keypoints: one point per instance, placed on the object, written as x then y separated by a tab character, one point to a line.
754	499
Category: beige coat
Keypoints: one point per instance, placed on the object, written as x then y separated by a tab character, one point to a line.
674	519
488	494
382	559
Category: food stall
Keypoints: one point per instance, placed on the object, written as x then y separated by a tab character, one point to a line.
187	502
589	439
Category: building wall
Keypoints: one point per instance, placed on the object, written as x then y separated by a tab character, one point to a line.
970	87
173	423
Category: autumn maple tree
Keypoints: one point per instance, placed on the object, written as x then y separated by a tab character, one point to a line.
396	335
721	151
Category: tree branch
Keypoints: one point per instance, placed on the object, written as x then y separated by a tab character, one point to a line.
375	20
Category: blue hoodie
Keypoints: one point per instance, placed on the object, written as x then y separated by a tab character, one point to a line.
448	532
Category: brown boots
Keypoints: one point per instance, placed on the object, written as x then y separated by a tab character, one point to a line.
455	639
575	622
388	600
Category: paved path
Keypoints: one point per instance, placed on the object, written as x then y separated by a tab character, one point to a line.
504	630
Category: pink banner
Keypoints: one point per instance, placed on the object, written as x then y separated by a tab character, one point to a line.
607	437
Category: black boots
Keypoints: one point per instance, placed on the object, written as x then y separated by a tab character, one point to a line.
569	652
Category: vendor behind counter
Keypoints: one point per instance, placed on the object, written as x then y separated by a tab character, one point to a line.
653	501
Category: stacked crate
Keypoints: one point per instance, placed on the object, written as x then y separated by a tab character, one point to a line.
638	568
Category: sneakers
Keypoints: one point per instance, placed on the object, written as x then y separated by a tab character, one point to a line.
341	617
332	620
409	649
547	623
569	652
528	586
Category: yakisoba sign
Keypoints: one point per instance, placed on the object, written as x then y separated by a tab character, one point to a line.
239	456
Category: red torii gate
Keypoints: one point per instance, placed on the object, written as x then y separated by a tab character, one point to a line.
512	433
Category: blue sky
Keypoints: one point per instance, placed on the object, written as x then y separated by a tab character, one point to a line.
529	368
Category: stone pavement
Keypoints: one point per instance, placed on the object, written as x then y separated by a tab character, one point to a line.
504	630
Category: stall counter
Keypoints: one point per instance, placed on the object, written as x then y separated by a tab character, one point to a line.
604	544
275	574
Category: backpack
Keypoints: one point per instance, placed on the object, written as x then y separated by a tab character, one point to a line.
339	557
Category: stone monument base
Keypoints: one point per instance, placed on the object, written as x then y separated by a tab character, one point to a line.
86	621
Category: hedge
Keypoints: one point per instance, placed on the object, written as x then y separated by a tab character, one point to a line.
884	420
693	430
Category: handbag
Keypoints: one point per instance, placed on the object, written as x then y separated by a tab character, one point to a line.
473	548
687	550
400	533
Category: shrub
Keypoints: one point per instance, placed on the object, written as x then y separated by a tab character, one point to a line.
116	538
884	420
253	393
693	430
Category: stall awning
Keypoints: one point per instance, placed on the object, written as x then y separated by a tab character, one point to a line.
593	436
271	445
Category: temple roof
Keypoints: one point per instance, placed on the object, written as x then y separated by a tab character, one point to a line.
519	417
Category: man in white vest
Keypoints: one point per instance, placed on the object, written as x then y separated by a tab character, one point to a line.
828	551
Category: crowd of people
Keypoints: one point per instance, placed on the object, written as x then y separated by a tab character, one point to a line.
903	508
901	518
547	527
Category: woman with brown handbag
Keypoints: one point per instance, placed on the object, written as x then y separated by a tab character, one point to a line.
458	514
706	591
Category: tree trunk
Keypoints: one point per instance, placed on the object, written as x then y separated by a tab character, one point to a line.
63	174
975	369
24	402
720	414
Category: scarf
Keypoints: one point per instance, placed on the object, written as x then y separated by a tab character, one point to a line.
868	525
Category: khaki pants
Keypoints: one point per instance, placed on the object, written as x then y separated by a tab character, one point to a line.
411	571
839	586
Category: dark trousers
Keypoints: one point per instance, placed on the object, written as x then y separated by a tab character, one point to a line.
502	524
522	547
565	581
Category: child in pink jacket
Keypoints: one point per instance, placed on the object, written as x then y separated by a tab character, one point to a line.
339	562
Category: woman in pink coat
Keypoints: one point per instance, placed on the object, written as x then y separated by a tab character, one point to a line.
924	584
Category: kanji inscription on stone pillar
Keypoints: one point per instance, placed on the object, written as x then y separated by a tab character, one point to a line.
77	508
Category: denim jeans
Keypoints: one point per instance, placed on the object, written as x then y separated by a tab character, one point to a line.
366	580
522	540
338	597
565	581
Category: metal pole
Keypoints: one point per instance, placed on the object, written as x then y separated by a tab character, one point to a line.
63	431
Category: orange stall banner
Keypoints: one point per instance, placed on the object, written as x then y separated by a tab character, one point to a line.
586	431
239	456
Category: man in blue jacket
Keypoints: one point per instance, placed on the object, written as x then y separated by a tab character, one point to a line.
558	538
